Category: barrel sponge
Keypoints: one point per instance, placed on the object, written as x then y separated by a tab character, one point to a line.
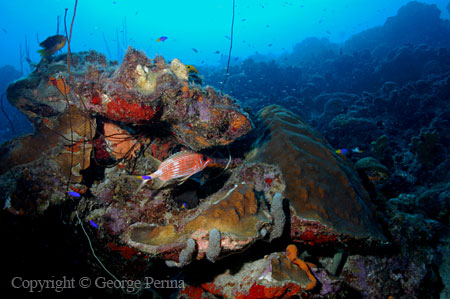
187	253
279	219
213	251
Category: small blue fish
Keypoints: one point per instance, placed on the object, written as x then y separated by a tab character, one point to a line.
74	194
342	151
93	223
184	205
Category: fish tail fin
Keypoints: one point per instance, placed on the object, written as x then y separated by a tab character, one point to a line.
43	53
144	179
141	186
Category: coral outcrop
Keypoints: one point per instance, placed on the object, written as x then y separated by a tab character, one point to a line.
102	127
232	215
327	199
374	170
92	109
278	275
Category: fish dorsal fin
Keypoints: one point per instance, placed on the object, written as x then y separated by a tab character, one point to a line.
179	154
156	163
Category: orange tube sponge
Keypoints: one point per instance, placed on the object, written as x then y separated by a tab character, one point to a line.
291	254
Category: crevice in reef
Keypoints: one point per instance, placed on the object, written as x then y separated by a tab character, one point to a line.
94	173
200	186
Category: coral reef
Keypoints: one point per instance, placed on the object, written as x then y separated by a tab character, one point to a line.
384	92
108	125
383	151
275	178
327	199
394	32
278	275
229	220
66	122
427	147
374	170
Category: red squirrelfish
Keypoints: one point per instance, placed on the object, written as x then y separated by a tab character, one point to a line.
181	166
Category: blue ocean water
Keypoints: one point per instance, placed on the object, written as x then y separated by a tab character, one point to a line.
198	33
372	77
268	28
203	25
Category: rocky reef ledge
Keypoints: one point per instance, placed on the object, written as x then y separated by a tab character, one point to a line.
101	125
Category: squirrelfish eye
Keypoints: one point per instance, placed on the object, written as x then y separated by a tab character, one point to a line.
204	158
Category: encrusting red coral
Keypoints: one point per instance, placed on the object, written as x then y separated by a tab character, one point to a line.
125	251
192	292
96	99
121	110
